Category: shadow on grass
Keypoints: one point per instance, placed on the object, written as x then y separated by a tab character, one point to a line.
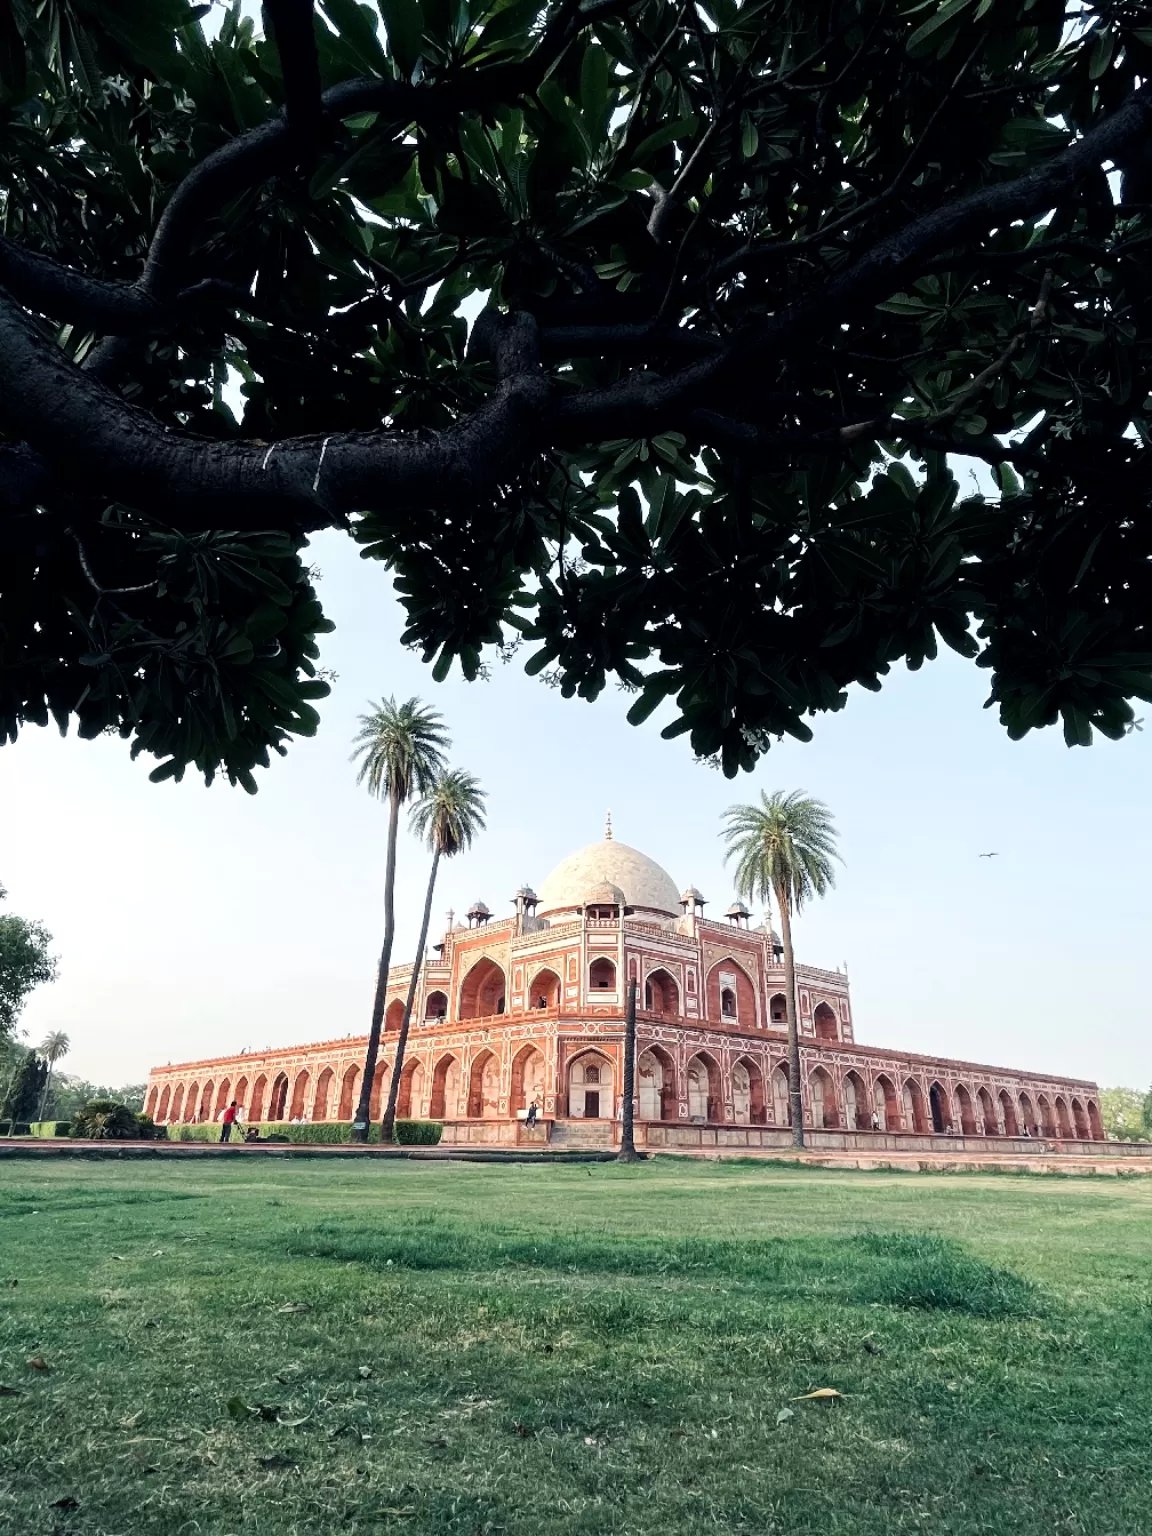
911	1270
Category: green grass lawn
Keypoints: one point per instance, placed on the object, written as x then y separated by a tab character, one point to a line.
282	1347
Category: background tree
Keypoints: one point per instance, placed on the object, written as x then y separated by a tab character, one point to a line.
52	1048
784	848
401	751
753	279
24	1092
1122	1113
449	817
69	1093
25	961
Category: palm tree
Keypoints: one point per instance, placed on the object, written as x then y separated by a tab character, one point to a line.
401	751
53	1047
448	817
784	847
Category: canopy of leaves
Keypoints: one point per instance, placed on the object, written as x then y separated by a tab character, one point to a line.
26	962
753	273
1123	1112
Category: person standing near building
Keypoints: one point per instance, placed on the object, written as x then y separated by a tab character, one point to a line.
228	1120
533	1111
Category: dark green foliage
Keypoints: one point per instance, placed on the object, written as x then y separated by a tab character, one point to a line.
17	1128
24	1089
418	1133
786	265
25	958
105	1120
68	1093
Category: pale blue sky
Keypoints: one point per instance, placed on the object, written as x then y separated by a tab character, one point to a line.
192	922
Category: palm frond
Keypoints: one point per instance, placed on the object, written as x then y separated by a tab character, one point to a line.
784	847
400	748
451	814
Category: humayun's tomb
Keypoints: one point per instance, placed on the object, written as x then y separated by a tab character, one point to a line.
530	1008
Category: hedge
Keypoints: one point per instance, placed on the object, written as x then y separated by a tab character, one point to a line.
51	1128
323	1133
21	1128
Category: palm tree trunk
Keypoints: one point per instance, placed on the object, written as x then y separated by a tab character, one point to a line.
47	1088
364	1108
628	1152
387	1125
795	1095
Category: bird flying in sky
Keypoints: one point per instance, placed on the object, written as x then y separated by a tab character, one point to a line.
989	855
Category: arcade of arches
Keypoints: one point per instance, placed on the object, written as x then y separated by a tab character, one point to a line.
523	1018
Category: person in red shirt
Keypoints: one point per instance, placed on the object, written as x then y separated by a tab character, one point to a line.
228	1121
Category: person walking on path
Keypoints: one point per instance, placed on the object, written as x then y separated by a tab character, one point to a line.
228	1121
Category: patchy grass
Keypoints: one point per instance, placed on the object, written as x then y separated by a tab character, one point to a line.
289	1348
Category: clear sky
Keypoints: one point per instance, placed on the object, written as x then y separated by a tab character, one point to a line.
192	921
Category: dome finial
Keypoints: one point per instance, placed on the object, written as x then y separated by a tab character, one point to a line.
608	827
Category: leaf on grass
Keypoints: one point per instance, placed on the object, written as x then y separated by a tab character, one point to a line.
38	1364
119	1257
133	1420
277	1459
294	1306
819	1392
293	1423
364	1371
397	1514
784	1415
67	1502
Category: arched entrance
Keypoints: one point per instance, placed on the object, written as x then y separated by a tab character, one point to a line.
323	1094
527	1080
856	1112
381	1079
912	1098
661	994
748	1107
1063	1118
163	1115
205	1110
177	1104
827	1026
590	1087
778	1009
938	1104
656	1085
1095	1124
393	1017
410	1094
884	1104
1028	1115
349	1093
988	1121
222	1099
484	1087
240	1094
259	1089
705	1095
822	1092
299	1096
730	993
445	1089
436	1005
781	1097
150	1101
482	991
1047	1119
279	1097
965	1110
1008	1113
190	1103
544	990
602	976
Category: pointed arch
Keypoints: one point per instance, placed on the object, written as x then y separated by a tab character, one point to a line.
1063	1118
279	1096
602	975
591	1086
176	1105
445	1088
163	1114
323	1094
965	1110
222	1100
259	1089
705	1088
939	1107
527	1079
1095	1124
150	1102
656	1084
205	1110
1008	1113
781	1096
822	1096
410	1094
778	1009
191	1099
436	1005
299	1094
394	1016
661	994
483	990
380	1083
748	1105
912	1103
728	975
988	1122
484	1086
857	1113
1047	1118
240	1092
885	1103
349	1093
826	1024
544	989
1028	1116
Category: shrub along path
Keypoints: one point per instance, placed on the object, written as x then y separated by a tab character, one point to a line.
288	1348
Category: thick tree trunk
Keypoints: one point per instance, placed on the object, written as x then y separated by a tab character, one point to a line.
388	1124
795	1095
628	1152
364	1109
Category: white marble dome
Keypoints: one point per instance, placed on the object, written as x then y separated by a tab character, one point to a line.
646	887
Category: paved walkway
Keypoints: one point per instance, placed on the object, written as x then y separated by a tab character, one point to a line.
1067	1163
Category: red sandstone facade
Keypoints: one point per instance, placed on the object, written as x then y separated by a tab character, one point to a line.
530	1009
